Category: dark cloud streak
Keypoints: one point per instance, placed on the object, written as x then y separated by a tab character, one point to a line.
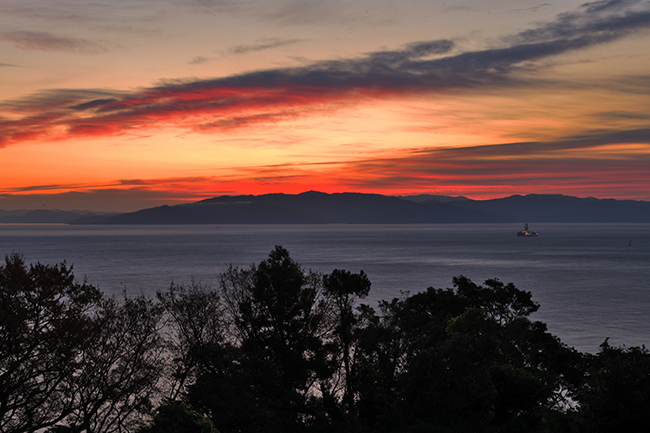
265	44
197	60
45	41
337	12
587	140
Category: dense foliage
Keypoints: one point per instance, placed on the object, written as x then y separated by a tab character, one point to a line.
275	348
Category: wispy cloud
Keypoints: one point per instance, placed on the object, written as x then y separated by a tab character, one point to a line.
45	41
211	6
98	12
273	95
198	60
122	195
332	12
264	44
260	45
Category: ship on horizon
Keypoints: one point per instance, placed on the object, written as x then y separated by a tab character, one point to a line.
526	232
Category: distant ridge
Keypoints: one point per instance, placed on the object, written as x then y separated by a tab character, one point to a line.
428	197
357	208
562	208
307	208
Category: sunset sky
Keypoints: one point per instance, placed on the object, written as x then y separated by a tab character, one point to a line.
126	104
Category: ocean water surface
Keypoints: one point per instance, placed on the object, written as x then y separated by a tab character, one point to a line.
592	280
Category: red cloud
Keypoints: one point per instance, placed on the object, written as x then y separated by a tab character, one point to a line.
205	110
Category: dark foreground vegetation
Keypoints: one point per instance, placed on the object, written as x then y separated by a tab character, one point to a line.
276	348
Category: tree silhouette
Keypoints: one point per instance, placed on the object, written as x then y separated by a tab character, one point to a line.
71	359
343	288
45	325
616	394
263	378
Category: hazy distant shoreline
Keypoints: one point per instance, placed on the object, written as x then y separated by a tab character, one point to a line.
357	208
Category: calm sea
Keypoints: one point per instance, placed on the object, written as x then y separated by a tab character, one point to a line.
592	280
